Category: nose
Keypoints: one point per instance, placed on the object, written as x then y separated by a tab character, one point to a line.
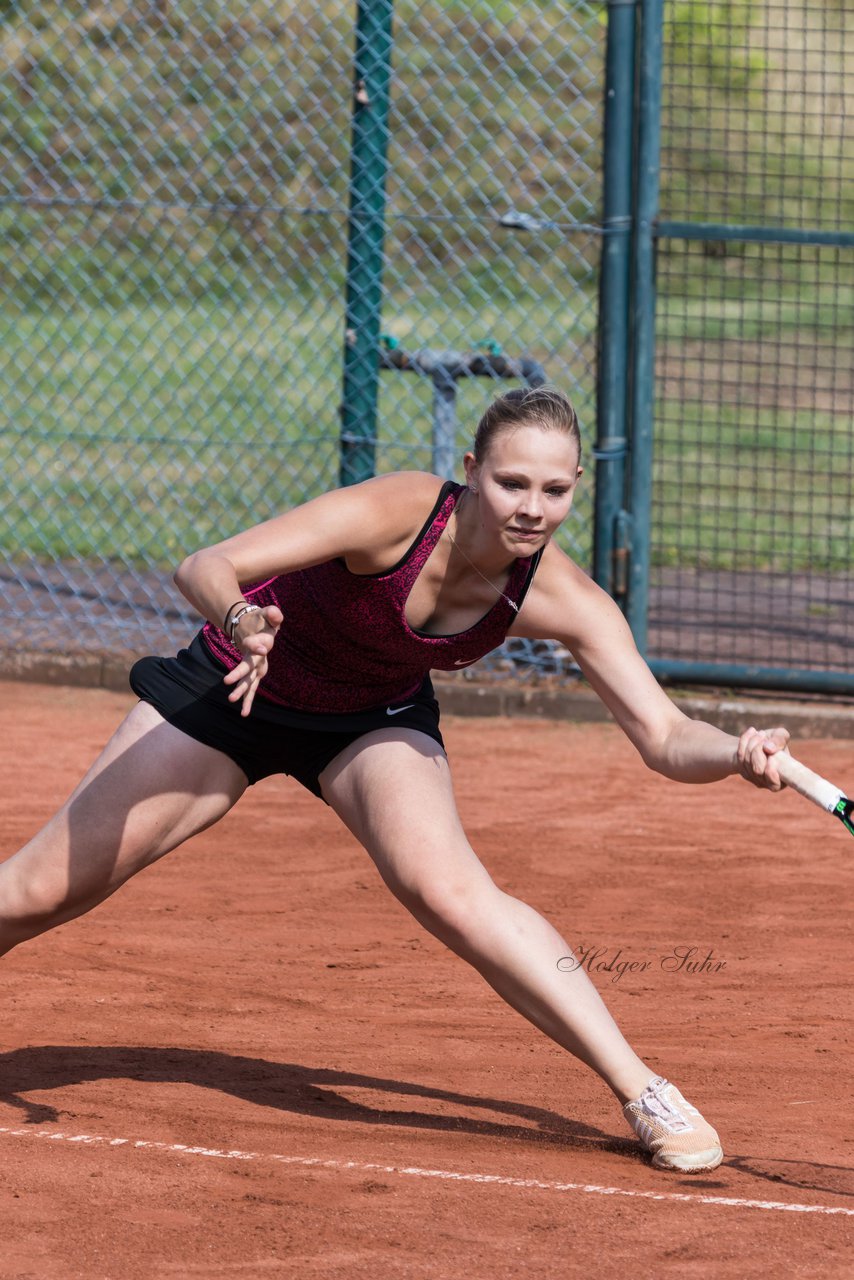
531	504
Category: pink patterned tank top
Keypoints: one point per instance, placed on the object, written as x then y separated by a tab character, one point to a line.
345	644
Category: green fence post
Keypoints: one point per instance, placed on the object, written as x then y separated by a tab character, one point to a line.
365	238
612	397
643	316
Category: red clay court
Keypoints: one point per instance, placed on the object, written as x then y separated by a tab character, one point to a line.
252	1061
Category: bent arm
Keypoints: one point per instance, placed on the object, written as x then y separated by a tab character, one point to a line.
209	581
565	605
370	521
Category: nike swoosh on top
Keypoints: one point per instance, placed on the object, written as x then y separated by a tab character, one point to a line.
464	662
395	711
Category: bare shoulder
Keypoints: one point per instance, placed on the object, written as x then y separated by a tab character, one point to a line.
397	491
563	603
394	508
370	525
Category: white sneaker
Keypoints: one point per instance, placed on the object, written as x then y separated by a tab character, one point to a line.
674	1131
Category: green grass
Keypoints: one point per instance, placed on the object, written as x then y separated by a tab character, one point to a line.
745	487
762	309
137	433
250	107
170	348
754	450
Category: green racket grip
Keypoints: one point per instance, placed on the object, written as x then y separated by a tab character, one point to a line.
812	786
845	813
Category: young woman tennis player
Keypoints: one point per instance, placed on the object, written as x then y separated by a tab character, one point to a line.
323	625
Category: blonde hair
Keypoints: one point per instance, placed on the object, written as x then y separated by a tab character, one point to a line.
543	407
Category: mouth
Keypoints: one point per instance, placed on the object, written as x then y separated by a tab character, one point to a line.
525	535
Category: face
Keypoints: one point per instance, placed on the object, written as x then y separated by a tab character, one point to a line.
525	485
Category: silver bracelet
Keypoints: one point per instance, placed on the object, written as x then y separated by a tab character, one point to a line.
241	613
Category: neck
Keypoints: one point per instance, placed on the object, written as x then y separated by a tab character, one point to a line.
467	533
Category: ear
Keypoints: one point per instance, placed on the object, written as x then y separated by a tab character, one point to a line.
472	470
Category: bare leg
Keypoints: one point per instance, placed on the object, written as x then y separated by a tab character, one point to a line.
393	790
150	789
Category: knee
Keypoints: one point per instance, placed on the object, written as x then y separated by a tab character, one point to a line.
26	915
30	906
451	909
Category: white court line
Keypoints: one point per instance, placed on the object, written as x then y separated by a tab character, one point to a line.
412	1171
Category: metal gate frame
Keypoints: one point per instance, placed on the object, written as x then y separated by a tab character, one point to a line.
624	448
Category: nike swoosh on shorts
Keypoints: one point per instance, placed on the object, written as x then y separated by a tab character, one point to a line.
395	711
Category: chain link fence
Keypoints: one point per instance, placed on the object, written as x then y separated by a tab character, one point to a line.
174	188
753	514
176	205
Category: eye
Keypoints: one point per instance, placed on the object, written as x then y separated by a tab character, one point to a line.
510	484
558	493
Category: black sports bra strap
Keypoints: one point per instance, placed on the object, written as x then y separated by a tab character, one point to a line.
529	578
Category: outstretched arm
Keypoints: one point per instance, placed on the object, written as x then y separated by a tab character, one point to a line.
565	605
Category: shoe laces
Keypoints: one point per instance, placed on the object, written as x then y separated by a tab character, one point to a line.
654	1102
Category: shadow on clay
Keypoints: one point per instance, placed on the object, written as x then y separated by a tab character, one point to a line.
317	1091
286	1086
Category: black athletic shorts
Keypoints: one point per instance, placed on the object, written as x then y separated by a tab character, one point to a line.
189	693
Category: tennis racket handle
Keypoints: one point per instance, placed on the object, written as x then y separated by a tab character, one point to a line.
812	786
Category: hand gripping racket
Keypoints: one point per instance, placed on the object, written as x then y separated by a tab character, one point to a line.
813	787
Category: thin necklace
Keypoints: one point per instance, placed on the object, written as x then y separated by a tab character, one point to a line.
457	547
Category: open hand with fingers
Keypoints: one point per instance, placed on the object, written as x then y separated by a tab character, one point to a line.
255	635
756	756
